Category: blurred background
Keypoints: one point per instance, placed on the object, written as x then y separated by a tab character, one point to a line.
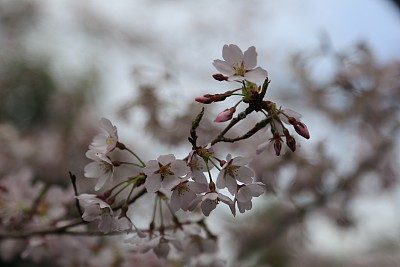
335	202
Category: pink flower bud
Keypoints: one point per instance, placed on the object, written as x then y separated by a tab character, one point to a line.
225	115
301	129
205	99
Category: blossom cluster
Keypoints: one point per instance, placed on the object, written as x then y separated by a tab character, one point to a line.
201	180
185	191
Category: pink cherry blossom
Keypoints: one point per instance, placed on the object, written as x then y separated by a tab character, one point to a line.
164	172
101	168
232	171
107	140
240	66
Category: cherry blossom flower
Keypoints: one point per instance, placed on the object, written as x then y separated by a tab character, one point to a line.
96	209
209	202
184	193
246	193
240	66
164	172
102	168
198	166
107	140
234	169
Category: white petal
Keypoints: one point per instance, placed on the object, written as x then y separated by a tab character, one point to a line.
232	54
165	159
258	74
186	197
221	179
198	187
241	161
170	181
245	174
153	183
231	185
256	189
175	202
224	67
243	206
179	167
100	183
93	170
236	78
195	202
244	194
207	206
250	58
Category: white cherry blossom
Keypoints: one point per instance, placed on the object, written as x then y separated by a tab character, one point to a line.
246	193
232	171
101	168
184	193
164	172
209	202
240	66
198	167
105	141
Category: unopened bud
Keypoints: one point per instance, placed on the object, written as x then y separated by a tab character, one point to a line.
205	99
220	77
302	130
291	142
225	115
277	146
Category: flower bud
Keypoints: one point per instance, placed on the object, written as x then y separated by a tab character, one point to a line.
302	130
220	77
225	115
300	127
277	146
205	99
291	142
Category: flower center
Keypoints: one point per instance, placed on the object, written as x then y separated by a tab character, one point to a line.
240	69
164	170
105	166
110	140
